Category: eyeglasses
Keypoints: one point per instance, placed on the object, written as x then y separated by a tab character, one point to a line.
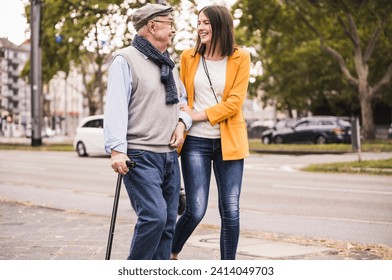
171	23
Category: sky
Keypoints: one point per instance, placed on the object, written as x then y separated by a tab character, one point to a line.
13	24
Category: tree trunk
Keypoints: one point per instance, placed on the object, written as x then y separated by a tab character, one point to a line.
101	89
92	106
366	112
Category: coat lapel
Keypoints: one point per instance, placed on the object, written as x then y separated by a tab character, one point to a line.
231	71
193	65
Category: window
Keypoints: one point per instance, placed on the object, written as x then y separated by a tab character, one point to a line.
94	123
313	122
302	124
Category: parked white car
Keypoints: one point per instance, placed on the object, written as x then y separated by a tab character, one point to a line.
89	137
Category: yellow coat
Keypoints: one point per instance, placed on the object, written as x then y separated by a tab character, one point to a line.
228	113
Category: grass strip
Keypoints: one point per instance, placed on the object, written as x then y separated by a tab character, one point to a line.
369	167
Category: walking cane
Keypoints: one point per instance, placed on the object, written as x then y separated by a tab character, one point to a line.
130	164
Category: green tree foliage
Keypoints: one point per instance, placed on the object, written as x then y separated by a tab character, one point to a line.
66	27
317	53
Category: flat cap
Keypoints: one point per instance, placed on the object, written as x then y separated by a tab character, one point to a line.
148	12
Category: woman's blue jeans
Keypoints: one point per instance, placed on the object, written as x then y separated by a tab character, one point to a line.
197	156
153	188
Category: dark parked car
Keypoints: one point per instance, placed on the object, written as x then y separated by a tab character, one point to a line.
316	129
256	128
266	136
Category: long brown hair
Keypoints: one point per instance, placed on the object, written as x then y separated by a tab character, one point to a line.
222	30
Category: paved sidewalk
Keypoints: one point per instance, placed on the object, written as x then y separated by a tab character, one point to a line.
35	233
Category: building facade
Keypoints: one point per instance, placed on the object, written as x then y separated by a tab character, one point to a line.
15	98
62	100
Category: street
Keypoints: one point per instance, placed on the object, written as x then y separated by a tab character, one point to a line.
276	196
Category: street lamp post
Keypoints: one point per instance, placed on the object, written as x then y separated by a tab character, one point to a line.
36	74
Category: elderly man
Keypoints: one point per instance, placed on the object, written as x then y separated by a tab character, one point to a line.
143	122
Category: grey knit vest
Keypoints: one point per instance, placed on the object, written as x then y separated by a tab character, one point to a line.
150	122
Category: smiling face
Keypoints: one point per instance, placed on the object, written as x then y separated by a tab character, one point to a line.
215	32
204	30
162	31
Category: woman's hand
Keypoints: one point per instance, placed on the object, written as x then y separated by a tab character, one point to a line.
196	116
186	109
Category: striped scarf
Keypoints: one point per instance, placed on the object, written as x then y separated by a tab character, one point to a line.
164	62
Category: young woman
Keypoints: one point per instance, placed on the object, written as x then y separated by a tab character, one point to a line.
215	73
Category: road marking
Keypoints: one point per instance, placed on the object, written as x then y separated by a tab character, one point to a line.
317	217
326	189
269	167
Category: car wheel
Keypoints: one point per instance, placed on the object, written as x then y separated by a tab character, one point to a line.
81	149
278	140
266	140
321	140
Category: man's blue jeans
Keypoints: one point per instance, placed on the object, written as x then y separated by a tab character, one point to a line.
197	156
153	188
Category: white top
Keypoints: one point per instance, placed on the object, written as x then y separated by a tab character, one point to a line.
204	96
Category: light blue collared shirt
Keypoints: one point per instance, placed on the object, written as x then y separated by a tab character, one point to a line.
118	97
